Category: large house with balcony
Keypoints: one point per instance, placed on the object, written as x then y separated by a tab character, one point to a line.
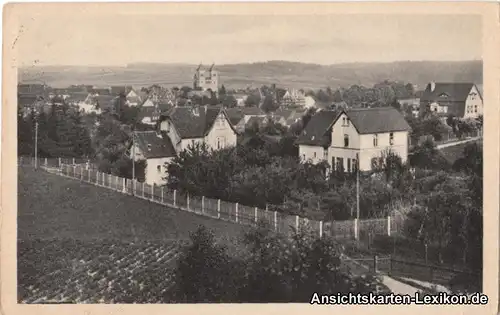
462	100
180	128
341	138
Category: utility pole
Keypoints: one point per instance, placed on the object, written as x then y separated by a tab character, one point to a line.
36	144
357	186
133	161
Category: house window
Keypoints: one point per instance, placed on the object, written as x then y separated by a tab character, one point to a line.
333	163
192	143
218	144
354	165
349	165
346	140
325	154
391	138
345	121
340	164
475	108
158	168
375	140
374	163
304	157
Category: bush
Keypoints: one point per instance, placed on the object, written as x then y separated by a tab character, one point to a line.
270	269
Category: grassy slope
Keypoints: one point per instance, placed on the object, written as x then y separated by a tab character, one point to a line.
51	206
81	243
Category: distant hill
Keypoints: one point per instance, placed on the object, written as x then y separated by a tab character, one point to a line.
282	73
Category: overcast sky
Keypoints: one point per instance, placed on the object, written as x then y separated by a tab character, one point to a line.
122	39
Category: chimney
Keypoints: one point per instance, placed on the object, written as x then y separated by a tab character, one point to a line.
433	86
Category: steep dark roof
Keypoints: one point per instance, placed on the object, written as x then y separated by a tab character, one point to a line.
235	115
317	129
285	113
260	121
193	122
377	120
154	146
254	111
456	92
164	106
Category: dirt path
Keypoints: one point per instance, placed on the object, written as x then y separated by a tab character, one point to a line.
450	144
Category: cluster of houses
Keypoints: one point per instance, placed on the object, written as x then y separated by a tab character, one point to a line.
345	139
87	98
462	100
341	139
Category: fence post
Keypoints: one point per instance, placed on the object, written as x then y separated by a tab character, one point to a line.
59	162
104	179
74	171
188	201
390	264
218	209
388	225
153	192
175	197
255	214
202	204
297	222
161	194
97	178
21	160
275	221
124	185
89	176
73	161
236	211
81	173
143	183
45	162
356	229
320	229
375	258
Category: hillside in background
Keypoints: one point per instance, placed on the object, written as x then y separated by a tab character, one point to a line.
283	73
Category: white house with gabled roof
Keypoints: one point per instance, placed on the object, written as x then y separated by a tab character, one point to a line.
341	138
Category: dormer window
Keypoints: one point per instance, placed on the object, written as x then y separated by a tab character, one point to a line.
391	138
375	140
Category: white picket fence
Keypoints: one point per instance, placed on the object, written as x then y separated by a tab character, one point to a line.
216	208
